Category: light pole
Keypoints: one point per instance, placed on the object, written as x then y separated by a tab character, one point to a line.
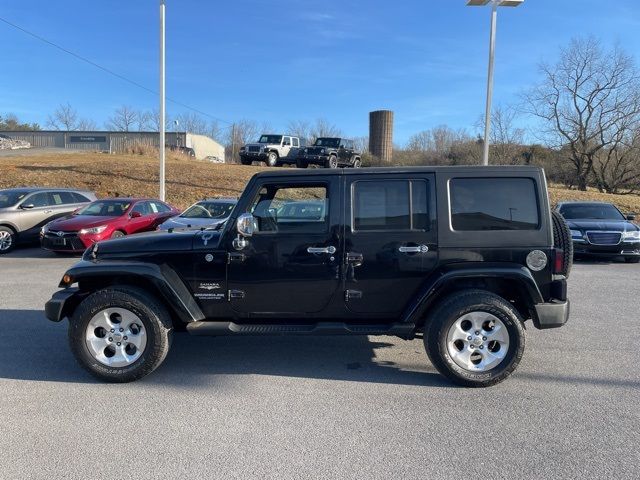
492	47
162	102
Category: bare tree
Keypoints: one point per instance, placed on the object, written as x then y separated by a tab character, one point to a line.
300	129
193	123
243	132
86	125
587	101
154	122
322	128
506	139
361	144
123	119
144	120
65	117
617	168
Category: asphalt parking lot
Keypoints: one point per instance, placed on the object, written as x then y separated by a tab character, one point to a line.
321	407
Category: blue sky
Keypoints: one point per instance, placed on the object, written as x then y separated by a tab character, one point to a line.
279	60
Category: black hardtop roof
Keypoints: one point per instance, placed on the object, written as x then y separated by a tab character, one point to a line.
479	170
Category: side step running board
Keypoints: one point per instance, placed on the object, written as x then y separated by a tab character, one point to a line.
404	330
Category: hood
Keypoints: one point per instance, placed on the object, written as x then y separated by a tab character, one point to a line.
144	243
610	225
190	223
73	223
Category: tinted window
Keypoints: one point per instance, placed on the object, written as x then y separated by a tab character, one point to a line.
105	208
596	212
80	198
303	209
494	204
62	198
10	198
209	210
295	142
40	199
159	207
142	208
390	205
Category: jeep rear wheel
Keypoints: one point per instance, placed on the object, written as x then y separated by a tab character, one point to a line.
120	334
272	159
357	163
475	338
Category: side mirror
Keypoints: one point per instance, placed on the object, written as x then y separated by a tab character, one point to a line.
28	206
631	217
136	214
246	225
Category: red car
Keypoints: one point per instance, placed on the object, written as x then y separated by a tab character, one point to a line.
104	219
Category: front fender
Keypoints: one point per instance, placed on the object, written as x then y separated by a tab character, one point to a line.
428	293
163	278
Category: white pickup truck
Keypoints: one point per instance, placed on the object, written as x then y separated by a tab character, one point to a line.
273	149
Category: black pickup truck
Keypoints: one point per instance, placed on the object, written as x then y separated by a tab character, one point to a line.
461	256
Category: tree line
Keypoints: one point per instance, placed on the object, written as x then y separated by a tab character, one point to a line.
583	118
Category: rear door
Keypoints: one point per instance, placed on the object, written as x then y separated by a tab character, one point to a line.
391	240
291	265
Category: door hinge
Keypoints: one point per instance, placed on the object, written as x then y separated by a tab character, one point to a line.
352	295
235	257
236	294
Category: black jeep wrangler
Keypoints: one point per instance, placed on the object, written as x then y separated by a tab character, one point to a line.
330	152
461	256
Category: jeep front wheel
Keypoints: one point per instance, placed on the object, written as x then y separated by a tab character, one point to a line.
120	334
475	338
272	159
332	162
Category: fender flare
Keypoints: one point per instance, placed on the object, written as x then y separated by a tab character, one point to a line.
163	278
427	294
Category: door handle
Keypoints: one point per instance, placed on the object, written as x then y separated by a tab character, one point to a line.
48	211
416	249
330	249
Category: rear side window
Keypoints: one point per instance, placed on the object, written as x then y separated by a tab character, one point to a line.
80	198
494	204
390	205
62	198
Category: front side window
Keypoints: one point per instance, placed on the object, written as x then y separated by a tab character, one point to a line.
390	205
493	204
299	209
40	199
270	139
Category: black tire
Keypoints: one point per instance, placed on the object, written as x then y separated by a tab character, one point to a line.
272	159
8	239
118	234
448	312
357	163
245	161
562	240
154	317
632	259
302	164
332	162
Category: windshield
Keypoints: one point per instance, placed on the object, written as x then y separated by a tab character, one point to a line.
595	212
105	208
209	210
10	198
270	139
327	142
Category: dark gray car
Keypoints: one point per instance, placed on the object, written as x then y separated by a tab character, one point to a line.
23	211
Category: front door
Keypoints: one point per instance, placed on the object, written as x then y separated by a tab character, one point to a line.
390	241
291	265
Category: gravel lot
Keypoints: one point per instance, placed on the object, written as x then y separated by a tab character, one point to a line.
321	407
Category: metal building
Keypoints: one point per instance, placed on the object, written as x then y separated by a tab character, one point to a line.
201	146
381	134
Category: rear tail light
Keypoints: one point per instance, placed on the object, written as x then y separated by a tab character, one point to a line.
558	260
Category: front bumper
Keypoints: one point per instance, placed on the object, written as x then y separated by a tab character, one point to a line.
622	249
70	242
314	159
254	155
61	304
553	314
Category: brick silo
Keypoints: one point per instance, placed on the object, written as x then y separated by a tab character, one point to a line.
381	134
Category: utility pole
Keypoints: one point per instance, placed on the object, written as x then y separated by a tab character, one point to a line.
233	142
162	103
487	113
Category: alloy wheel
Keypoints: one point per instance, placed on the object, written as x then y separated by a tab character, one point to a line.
6	240
478	341
116	337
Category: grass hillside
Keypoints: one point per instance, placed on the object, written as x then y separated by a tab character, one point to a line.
187	180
